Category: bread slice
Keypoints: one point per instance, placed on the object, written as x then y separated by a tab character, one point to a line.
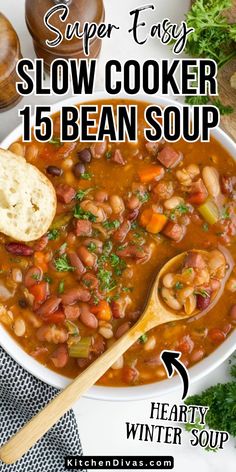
27	199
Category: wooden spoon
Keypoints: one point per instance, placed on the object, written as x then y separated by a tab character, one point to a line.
156	313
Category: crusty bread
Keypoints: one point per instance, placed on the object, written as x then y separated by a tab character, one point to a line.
27	199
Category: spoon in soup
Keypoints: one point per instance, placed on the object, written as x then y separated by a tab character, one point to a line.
156	312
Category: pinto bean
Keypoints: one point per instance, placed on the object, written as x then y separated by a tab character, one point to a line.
88	318
133	203
117	204
19	249
52	334
90	281
77	263
88	259
41	244
72	312
49	306
60	356
139	254
74	295
122	329
101	196
118	158
98	149
122	232
97	242
32	276
197	355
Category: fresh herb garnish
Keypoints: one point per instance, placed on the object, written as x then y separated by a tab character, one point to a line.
47	278
35	277
106	281
205	227
92	247
178	285
127	289
86	176
56	141
142	196
202	292
143	339
80	194
108	155
110	225
61	287
225	215
181	209
53	234
83	215
62	264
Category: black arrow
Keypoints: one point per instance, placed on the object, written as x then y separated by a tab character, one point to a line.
171	361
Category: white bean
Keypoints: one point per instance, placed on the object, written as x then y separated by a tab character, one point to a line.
173	202
184	293
117	204
168	280
106	333
169	299
118	364
216	261
190	304
211	180
184	177
150	344
19	327
193	170
17	275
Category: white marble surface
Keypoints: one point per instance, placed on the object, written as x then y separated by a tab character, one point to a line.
102	424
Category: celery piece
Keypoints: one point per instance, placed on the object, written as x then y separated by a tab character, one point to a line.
61	221
209	212
81	348
72	328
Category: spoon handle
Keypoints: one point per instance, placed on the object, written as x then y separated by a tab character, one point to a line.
46	418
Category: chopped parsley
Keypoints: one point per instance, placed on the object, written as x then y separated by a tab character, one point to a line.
35	277
83	215
62	264
56	141
47	278
143	339
110	225
178	285
181	209
53	234
106	281
225	215
61	287
92	247
86	176
143	196
82	193
202	292
205	227
107	248
108	155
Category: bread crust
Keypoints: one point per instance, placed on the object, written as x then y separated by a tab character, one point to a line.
27	199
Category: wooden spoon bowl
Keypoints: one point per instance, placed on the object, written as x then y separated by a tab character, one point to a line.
156	313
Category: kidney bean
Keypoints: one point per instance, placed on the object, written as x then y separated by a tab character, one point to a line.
74	295
32	276
78	170
54	171
49	306
122	232
133	215
133	203
19	249
85	155
41	244
203	302
60	356
129	374
122	329
88	318
216	335
77	263
232	314
72	312
87	257
52	334
197	355
90	281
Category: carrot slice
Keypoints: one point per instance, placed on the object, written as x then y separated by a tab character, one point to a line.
39	291
150	173
102	310
146	217
40	260
156	223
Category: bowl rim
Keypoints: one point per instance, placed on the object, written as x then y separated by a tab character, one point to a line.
135	393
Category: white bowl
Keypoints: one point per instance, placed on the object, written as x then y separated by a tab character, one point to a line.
196	372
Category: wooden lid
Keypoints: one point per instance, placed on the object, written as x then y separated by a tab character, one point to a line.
9	50
79	10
